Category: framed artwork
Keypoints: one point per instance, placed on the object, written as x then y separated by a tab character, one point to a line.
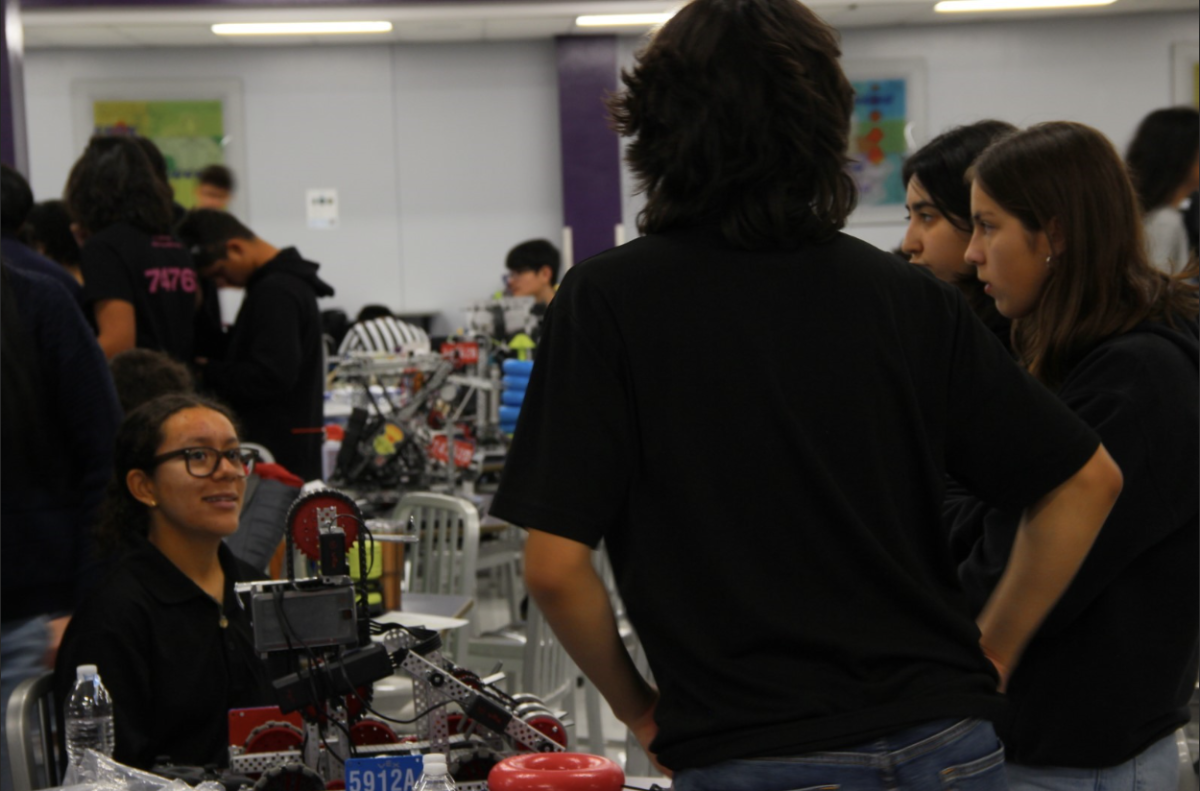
1185	73
194	123
888	124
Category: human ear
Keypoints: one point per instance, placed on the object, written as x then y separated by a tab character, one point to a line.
1054	235
235	249
142	487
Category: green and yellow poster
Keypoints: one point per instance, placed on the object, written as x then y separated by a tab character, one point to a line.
190	134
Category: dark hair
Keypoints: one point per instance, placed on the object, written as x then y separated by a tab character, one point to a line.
16	199
123	519
1164	148
219	176
369	312
113	182
741	114
1067	177
205	232
531	256
158	163
48	226
941	166
141	375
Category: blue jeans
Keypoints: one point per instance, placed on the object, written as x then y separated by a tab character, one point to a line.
937	756
1154	769
23	647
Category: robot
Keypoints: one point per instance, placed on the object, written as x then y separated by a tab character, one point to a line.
325	654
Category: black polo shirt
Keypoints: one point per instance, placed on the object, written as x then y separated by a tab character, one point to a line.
173	659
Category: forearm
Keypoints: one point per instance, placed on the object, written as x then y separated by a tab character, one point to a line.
578	609
1052	541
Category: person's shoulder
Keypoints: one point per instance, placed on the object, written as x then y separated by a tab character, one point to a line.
118	234
121	594
1149	356
34	287
1152	341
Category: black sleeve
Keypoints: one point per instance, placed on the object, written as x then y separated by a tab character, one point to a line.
105	274
117	641
1143	405
268	366
1009	439
574	449
88	409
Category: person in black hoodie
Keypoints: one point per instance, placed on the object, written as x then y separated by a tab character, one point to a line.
1105	681
271	373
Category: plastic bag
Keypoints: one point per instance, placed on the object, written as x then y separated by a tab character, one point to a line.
98	772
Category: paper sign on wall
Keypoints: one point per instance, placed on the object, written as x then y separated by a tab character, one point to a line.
322	209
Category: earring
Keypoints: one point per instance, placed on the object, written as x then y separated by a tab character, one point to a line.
154	503
1049	262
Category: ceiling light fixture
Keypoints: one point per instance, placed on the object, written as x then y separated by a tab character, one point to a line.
613	20
299	28
966	6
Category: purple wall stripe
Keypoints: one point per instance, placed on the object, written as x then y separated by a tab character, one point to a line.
591	154
13	150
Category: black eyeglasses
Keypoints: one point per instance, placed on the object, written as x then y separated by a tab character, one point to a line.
203	462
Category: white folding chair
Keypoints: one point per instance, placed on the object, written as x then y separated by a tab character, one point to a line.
264	455
535	662
446	557
30	726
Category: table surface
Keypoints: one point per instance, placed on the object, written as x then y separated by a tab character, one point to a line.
441	604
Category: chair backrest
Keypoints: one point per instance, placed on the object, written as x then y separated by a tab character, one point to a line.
546	669
264	455
32	734
447	556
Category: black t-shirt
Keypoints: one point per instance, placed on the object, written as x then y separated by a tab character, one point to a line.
1112	669
761	440
152	273
173	659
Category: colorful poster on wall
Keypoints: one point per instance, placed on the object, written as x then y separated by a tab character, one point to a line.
190	134
878	144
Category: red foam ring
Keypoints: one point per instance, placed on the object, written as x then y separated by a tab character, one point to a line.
556	772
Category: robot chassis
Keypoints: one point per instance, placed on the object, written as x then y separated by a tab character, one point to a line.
449	386
307	618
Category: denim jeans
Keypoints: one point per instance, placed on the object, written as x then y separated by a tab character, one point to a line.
1154	769
23	647
937	756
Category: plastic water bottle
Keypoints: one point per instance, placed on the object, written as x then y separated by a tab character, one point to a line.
89	716
436	776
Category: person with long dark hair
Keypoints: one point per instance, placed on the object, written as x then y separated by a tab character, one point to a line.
165	629
938	202
784	564
1106	680
1164	163
139	282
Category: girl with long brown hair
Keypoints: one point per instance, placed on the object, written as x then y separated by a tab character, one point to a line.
1058	243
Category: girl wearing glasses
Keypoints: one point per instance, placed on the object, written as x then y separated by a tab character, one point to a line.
165	629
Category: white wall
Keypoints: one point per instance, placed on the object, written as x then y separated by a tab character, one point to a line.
444	156
1106	71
